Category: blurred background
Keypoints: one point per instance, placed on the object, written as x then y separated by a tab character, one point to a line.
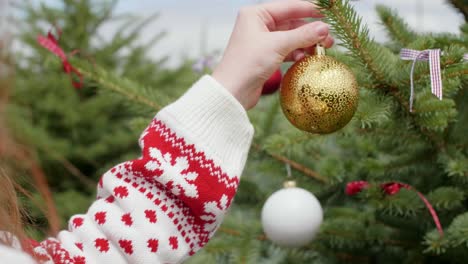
195	28
138	56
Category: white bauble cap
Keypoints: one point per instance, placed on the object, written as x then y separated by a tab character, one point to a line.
291	217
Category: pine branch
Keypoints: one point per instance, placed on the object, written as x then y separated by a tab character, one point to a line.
294	165
388	133
74	171
448	71
447	198
337	233
106	14
296	140
25	157
456	237
233	232
391	242
396	28
462	6
355	36
111	82
272	112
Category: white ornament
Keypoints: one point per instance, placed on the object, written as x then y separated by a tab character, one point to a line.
291	216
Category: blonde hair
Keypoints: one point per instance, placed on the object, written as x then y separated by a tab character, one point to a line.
14	156
11	223
10	215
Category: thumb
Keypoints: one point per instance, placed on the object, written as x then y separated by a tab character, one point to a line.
302	37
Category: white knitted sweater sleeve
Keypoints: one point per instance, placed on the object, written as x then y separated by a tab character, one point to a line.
167	204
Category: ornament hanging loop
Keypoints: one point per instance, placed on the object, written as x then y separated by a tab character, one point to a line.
319	50
288	171
290	183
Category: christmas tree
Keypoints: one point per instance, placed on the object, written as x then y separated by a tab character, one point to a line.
399	153
77	133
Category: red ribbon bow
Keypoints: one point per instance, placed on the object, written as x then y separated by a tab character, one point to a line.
51	44
393	188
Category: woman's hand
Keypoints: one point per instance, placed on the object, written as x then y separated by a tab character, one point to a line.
264	36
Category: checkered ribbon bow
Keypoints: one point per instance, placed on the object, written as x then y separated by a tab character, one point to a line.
433	56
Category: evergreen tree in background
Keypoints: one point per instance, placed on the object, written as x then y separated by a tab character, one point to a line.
80	133
385	142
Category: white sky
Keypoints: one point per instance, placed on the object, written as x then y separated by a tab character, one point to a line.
186	20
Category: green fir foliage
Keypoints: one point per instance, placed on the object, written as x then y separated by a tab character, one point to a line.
79	133
427	149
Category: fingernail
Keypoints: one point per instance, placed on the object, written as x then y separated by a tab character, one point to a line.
322	30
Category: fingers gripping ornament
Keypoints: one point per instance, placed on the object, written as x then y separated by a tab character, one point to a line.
319	94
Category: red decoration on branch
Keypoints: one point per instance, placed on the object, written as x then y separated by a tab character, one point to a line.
356	187
273	83
393	188
51	44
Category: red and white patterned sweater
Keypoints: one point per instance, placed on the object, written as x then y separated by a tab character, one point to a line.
166	205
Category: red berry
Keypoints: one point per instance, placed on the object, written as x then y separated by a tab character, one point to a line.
273	83
356	187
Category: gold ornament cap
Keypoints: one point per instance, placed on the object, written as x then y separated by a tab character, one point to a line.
289	184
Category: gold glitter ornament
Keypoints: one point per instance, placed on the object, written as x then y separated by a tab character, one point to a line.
319	94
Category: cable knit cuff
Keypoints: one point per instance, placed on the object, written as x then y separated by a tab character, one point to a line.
209	116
